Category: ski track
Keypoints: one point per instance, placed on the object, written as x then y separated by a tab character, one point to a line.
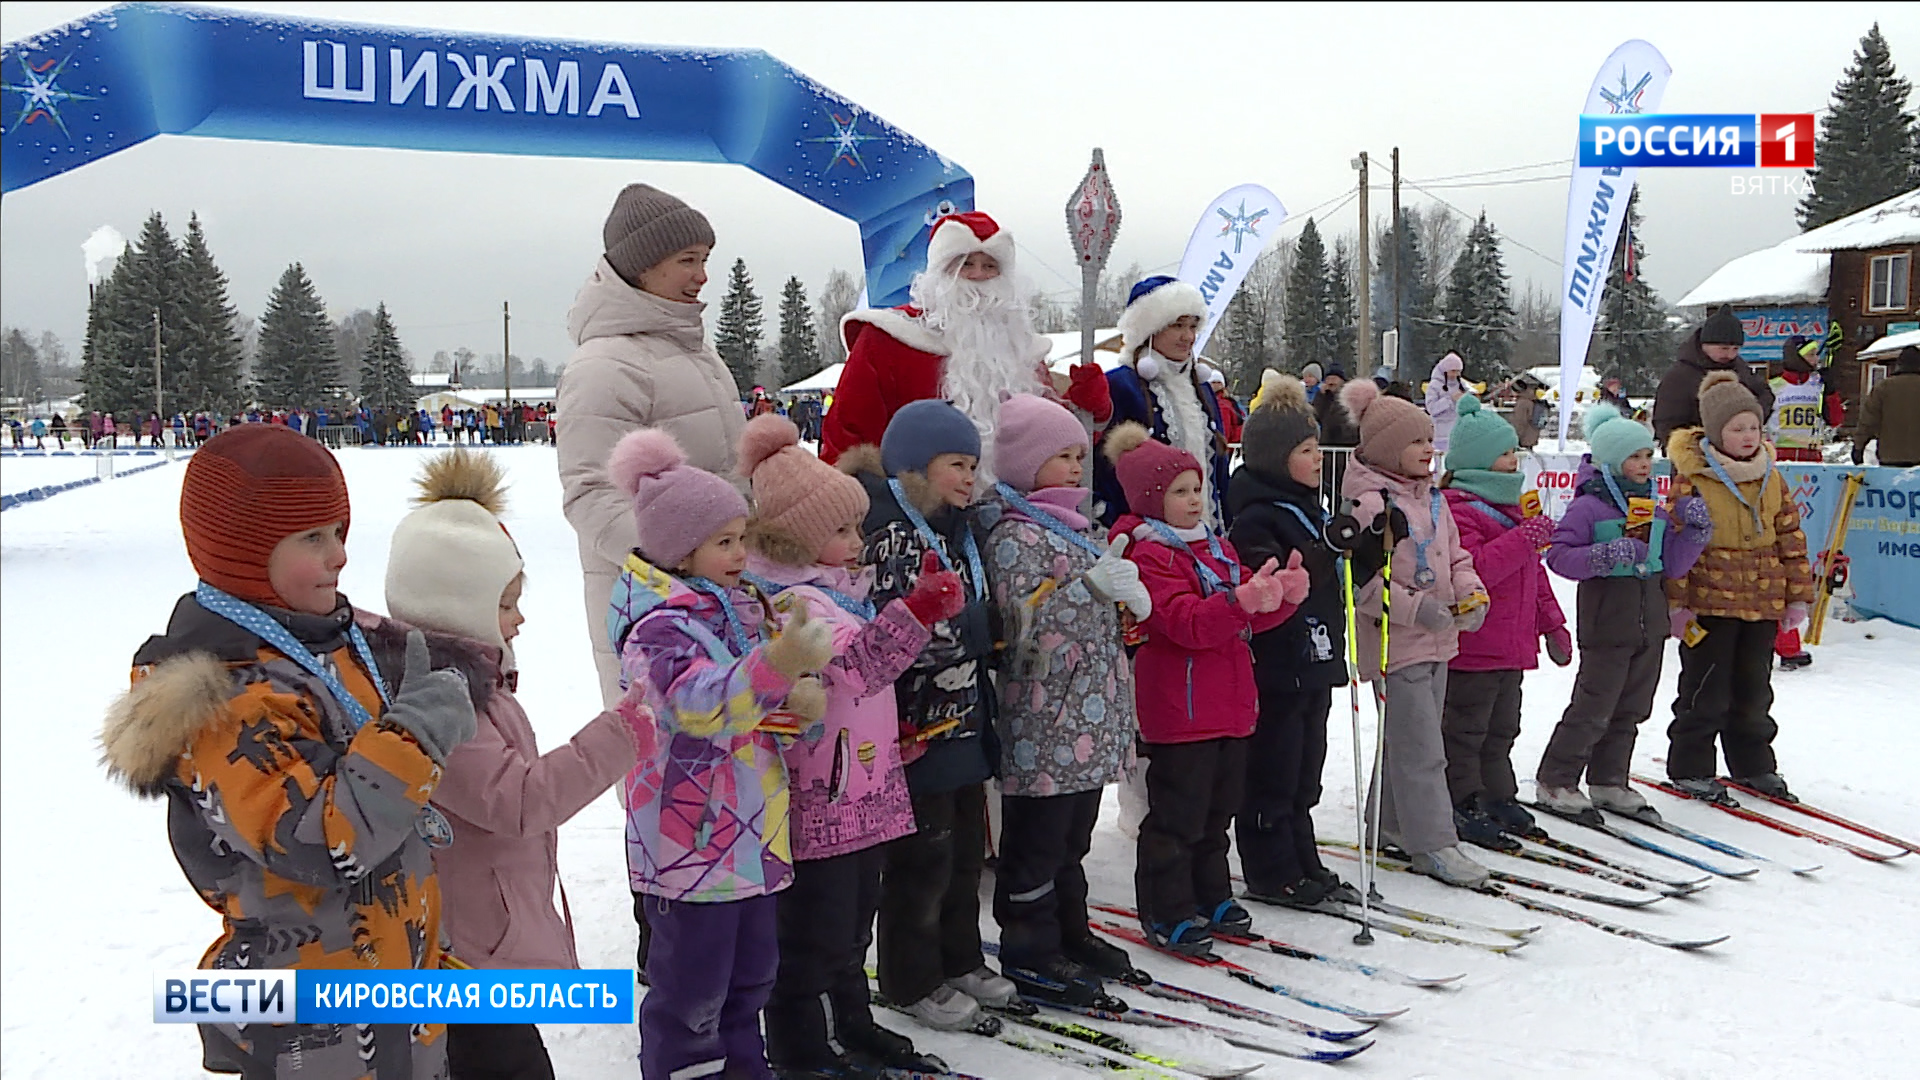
1818	979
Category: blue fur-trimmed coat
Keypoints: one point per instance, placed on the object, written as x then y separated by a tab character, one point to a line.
1134	400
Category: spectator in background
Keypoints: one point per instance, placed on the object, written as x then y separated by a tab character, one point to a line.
1231	416
1803	402
1715	346
1444	390
1891	414
59	427
1310	378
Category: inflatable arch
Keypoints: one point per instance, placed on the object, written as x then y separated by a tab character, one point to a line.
120	77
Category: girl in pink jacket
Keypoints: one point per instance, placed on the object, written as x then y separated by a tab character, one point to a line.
1435	595
849	791
455	572
1482	716
1193	687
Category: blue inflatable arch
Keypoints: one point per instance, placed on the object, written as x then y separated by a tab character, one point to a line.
88	89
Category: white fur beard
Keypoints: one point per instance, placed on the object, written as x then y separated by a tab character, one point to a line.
989	338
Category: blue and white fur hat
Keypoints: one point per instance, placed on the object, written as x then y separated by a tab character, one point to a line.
1155	304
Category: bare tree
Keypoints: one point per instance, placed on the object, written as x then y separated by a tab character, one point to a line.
837	297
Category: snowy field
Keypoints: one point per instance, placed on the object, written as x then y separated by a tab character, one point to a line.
1821	977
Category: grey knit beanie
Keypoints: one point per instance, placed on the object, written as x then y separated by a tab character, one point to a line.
645	226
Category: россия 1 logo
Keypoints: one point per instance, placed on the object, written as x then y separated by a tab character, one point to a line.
1697	140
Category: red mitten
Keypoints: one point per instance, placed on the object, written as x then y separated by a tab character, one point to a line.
632	708
1087	388
1537	530
1294	582
939	595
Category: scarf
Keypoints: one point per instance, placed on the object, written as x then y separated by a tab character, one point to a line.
1063	503
1498	488
1186	417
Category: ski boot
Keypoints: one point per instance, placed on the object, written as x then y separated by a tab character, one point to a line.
1478	829
1307	894
888	1049
1796	663
842	1068
1704	789
1338	891
1105	959
1568	802
946	1009
1230	918
1056	980
1622	800
1451	866
1188	937
1512	818
985	986
1769	784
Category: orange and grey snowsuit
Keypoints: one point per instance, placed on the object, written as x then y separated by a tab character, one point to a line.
299	830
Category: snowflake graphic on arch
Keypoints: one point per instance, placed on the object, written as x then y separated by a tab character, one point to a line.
1240	223
846	140
41	95
1627	98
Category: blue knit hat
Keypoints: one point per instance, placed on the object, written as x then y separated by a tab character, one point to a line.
1479	437
1614	436
924	430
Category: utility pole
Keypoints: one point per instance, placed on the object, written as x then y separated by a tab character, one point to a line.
158	410
1363	363
1398	243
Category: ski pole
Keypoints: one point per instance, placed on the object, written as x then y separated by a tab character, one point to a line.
1353	698
1371	854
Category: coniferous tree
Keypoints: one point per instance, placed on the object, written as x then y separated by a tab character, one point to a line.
1242	341
1342	317
1417	345
386	379
1867	151
1308	329
149	285
298	366
737	337
799	349
1632	341
209	337
1477	316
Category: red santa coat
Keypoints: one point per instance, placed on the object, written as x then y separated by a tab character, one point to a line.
893	360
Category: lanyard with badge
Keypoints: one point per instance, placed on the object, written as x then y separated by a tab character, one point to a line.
1047	521
852	605
932	540
1208	577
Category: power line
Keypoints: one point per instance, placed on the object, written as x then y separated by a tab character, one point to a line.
1471	217
1493	172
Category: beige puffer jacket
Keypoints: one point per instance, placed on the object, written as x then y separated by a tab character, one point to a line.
641	361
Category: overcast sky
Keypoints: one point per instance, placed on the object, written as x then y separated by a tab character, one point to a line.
1187	100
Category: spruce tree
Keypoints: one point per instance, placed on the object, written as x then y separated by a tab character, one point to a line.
1477	316
1242	341
1417	342
386	380
799	348
1307	327
107	378
1342	317
149	284
1631	339
209	340
297	367
1866	152
737	337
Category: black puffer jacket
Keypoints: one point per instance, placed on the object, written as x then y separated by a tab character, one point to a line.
1309	650
1677	403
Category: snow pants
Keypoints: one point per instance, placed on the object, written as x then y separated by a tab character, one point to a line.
1040	885
929	925
710	969
1726	691
1478	726
1193	791
1285	758
1413	805
1612	696
497	1052
825	921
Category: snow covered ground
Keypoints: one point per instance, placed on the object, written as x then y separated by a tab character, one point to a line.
1819	979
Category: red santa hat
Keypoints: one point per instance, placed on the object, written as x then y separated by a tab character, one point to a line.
956	236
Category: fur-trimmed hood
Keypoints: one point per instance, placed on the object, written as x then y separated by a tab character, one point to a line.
905	324
863	464
178	695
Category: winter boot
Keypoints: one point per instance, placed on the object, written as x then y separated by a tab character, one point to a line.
1230	918
1057	980
1188	937
1451	866
1512	818
1706	789
1567	802
1105	959
843	1068
1480	830
1306	894
985	987
1621	800
888	1048
947	1009
1337	891
1795	663
1769	784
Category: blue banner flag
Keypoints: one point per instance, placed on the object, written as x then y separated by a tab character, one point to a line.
126	74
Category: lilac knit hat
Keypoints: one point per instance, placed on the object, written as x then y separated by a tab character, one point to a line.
676	507
1031	430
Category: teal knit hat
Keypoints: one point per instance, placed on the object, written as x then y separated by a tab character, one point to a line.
1479	437
1614	436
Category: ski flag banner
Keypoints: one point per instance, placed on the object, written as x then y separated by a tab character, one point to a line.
1230	235
1882	544
1633	80
121	76
332	996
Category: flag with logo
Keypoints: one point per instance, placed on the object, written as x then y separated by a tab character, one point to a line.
1230	235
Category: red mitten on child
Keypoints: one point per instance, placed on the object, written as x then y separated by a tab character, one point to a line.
939	595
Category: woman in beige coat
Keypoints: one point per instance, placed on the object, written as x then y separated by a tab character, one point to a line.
641	360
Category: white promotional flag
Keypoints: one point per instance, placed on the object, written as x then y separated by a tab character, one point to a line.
1633	80
1228	238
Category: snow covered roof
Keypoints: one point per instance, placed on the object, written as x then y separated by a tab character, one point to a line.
1891	344
1894	222
1775	275
820	382
432	380
1797	268
1065	345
